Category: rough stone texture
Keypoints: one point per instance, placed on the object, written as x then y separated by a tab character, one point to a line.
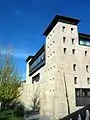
51	86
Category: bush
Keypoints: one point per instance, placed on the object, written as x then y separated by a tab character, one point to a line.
19	110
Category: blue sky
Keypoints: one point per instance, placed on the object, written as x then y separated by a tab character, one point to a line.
22	23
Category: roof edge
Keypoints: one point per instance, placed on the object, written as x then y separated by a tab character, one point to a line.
29	57
38	53
57	18
84	35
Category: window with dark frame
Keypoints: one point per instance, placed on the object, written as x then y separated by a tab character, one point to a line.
64	39
75	80
84	42
63	28
72	40
86	68
64	50
39	62
36	78
85	53
88	80
72	30
73	51
82	96
74	67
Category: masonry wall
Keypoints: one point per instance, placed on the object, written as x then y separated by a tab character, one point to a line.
58	70
29	89
57	64
63	63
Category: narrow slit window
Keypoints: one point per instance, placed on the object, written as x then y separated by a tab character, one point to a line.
75	80
86	68
64	50
64	39
85	53
72	40
72	30
63	28
74	67
36	78
73	51
88	80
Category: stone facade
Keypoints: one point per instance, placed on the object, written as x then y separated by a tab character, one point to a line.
58	79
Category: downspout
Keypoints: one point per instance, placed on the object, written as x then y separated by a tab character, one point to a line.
66	93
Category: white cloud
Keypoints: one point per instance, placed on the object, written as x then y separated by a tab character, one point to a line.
17	54
20	55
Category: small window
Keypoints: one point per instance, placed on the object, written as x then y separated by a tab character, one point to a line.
72	40
36	78
53	51
74	67
78	92
64	50
64	39
86	68
63	28
72	30
85	53
73	51
88	80
75	80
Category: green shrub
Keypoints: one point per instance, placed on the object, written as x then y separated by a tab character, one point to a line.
19	110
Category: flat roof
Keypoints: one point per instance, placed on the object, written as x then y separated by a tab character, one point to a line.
28	58
84	36
36	55
60	18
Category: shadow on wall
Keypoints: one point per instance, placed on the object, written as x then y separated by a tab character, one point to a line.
37	117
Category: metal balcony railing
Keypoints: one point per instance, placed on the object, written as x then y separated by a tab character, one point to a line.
81	114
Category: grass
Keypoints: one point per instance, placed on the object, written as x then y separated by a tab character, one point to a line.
8	115
10	118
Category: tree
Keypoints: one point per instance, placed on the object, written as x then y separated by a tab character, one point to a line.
35	103
9	80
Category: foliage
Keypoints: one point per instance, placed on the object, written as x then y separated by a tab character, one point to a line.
9	80
7	115
19	109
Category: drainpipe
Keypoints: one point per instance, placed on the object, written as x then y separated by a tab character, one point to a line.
66	93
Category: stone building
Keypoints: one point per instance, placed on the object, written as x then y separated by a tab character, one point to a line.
59	73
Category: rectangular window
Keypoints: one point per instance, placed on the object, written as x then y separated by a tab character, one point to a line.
64	39
84	42
37	63
64	50
81	42
73	51
75	80
63	28
72	30
85	53
36	78
88	80
82	96
86	68
72	40
74	67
